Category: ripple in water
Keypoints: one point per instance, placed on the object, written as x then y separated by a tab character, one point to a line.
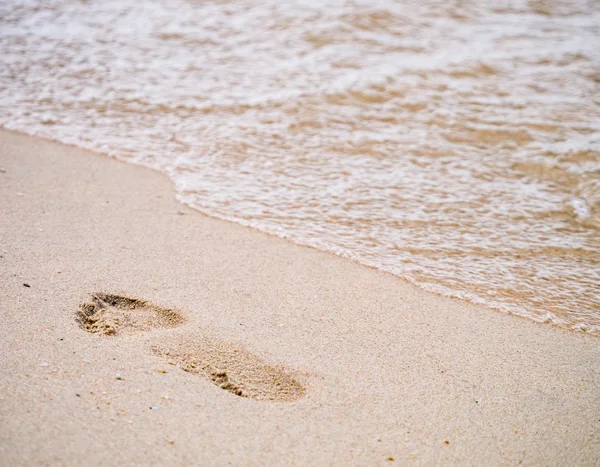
454	145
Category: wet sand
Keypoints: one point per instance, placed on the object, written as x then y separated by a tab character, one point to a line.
335	363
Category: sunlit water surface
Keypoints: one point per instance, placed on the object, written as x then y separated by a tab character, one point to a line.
455	144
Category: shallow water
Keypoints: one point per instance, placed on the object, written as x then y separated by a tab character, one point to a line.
454	144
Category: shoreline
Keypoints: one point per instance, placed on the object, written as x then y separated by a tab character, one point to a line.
548	319
388	370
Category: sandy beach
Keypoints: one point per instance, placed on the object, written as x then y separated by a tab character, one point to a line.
136	331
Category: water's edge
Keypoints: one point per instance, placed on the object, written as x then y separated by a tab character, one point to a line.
548	319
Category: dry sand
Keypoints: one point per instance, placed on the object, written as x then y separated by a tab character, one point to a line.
335	363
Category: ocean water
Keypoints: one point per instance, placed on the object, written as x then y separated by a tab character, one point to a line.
454	144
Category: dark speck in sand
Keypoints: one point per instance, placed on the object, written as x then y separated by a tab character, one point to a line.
26	285
78	395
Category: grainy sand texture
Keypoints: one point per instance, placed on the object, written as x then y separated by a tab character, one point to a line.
136	331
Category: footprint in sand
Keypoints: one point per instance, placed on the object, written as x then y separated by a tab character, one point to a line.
229	367
233	369
114	315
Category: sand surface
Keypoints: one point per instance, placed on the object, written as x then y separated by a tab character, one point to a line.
144	321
